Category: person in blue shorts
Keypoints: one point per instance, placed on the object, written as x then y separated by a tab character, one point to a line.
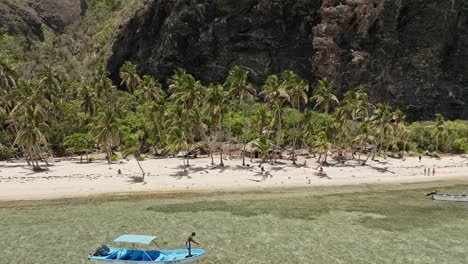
188	244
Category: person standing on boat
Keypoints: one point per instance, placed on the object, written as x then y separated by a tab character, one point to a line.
188	244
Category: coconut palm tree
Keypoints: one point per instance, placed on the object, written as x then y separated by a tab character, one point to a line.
107	129
149	89
297	90
185	89
275	94
260	118
323	95
263	145
133	144
129	76
178	124
28	119
240	89
50	81
365	137
30	135
8	76
102	84
216	107
323	144
381	120
89	100
438	130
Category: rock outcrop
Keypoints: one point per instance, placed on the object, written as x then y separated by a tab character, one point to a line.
410	53
26	17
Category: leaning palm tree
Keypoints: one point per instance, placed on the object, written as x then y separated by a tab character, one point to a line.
8	76
275	94
28	119
107	129
50	82
438	130
240	89
132	147
297	90
129	76
324	96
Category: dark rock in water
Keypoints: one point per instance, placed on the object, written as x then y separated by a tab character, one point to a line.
410	53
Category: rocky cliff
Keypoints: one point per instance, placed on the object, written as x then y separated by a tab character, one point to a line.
26	17
410	53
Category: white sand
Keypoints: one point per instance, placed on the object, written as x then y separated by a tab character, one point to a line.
72	179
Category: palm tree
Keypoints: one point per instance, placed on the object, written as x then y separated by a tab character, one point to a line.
260	118
275	94
324	96
239	88
323	144
149	89
50	82
129	76
263	145
438	130
178	124
107	129
381	120
216	106
185	89
102	84
365	137
8	76
132	147
89	100
28	119
297	90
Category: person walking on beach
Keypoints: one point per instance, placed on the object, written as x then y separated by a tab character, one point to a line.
188	244
424	171
419	158
433	171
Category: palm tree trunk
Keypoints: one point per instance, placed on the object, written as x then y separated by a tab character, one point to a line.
221	163
141	168
364	163
295	137
278	134
243	134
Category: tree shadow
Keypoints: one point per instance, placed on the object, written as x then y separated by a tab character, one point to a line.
322	175
381	170
135	179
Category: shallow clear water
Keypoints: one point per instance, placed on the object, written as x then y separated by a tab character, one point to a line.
321	225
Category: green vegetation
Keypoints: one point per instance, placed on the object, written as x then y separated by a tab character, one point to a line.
49	114
387	224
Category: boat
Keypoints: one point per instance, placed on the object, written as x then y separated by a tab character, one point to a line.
106	255
448	197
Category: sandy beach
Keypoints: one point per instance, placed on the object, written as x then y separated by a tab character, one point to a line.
69	178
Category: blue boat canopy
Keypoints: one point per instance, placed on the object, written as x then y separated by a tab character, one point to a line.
135	239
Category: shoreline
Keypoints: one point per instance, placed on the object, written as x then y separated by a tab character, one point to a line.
69	179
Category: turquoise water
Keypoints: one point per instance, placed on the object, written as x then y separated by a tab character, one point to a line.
329	225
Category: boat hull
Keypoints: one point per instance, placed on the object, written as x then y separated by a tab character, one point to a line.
450	197
127	256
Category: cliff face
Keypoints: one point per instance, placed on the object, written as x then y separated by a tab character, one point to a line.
411	53
26	17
